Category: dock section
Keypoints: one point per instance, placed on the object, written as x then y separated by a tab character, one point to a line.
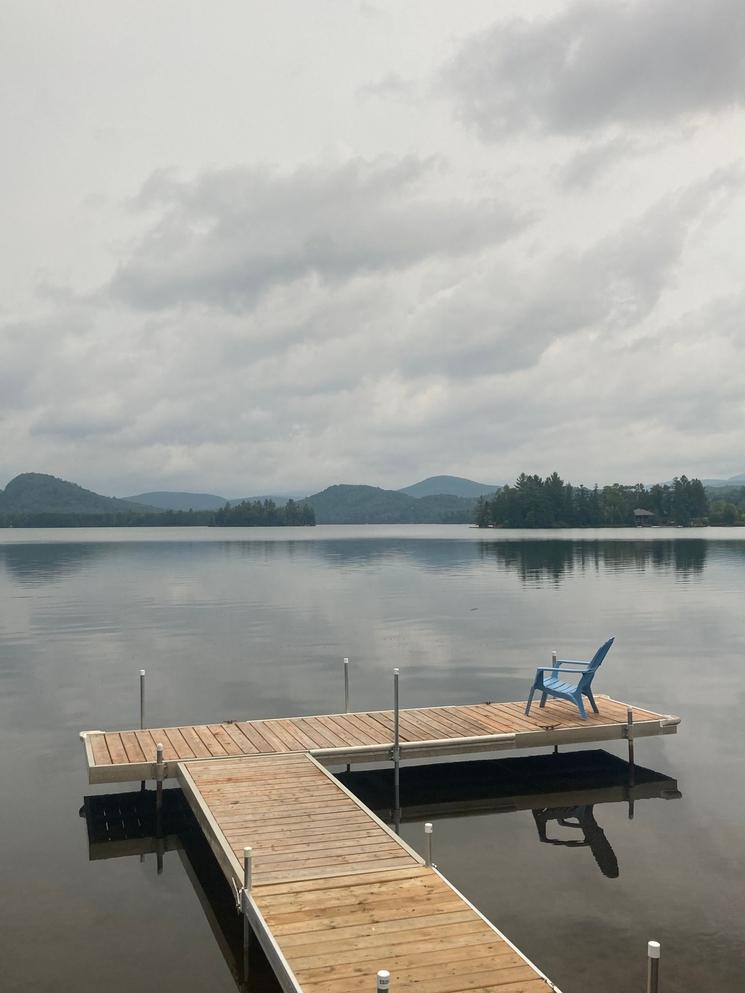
367	736
335	895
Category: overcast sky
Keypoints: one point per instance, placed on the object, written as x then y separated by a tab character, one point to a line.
253	246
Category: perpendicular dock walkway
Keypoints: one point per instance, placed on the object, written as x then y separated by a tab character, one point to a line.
128	756
335	895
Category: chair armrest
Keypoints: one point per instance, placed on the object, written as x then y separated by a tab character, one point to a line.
551	668
570	662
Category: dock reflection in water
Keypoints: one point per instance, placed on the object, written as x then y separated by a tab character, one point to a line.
561	791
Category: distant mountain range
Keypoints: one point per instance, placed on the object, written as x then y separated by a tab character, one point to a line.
450	486
167	500
34	493
437	500
346	504
738	480
175	500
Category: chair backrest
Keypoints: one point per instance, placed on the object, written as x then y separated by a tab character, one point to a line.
599	655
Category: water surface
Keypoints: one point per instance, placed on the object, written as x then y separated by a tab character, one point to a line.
237	623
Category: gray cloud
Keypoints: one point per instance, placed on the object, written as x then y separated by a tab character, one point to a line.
506	317
595	65
584	168
230	235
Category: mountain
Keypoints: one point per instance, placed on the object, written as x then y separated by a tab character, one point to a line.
450	485
38	493
346	504
168	500
738	480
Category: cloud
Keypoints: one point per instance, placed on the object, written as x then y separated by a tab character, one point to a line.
584	168
596	65
507	315
475	362
392	85
228	236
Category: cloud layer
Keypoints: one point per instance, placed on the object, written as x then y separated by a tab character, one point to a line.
540	271
593	66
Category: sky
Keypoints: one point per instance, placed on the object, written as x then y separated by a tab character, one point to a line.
253	247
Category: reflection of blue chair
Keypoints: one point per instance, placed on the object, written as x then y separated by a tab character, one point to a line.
555	685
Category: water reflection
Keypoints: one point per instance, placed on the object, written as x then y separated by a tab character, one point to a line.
553	560
561	791
534	560
34	565
580	817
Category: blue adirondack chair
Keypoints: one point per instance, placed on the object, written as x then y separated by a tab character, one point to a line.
549	680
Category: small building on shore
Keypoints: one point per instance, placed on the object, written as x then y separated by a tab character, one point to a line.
643	518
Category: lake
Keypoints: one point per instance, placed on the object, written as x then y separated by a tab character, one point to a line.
238	623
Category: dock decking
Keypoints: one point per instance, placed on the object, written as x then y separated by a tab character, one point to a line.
367	736
335	894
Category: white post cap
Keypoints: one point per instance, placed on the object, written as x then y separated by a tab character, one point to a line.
395	672
653	949
428	828
346	661
247	852
384	979
159	747
142	672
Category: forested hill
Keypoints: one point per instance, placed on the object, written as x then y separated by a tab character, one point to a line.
39	493
37	500
347	504
534	502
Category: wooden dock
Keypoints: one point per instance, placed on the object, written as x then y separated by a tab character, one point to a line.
367	736
334	894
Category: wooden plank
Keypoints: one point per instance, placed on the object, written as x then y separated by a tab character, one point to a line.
160	738
179	744
209	741
392	944
476	726
194	742
301	739
341	881
132	747
412	962
147	743
228	745
250	730
287	740
514	721
242	743
116	748
333	733
371	732
299	936
313	731
101	754
265	729
460	727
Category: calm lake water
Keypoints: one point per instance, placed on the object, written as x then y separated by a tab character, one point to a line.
241	624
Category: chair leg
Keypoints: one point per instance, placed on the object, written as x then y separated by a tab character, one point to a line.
543	699
591	698
530	699
581	707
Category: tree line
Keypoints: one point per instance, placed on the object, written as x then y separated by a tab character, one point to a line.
265	513
250	513
535	502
